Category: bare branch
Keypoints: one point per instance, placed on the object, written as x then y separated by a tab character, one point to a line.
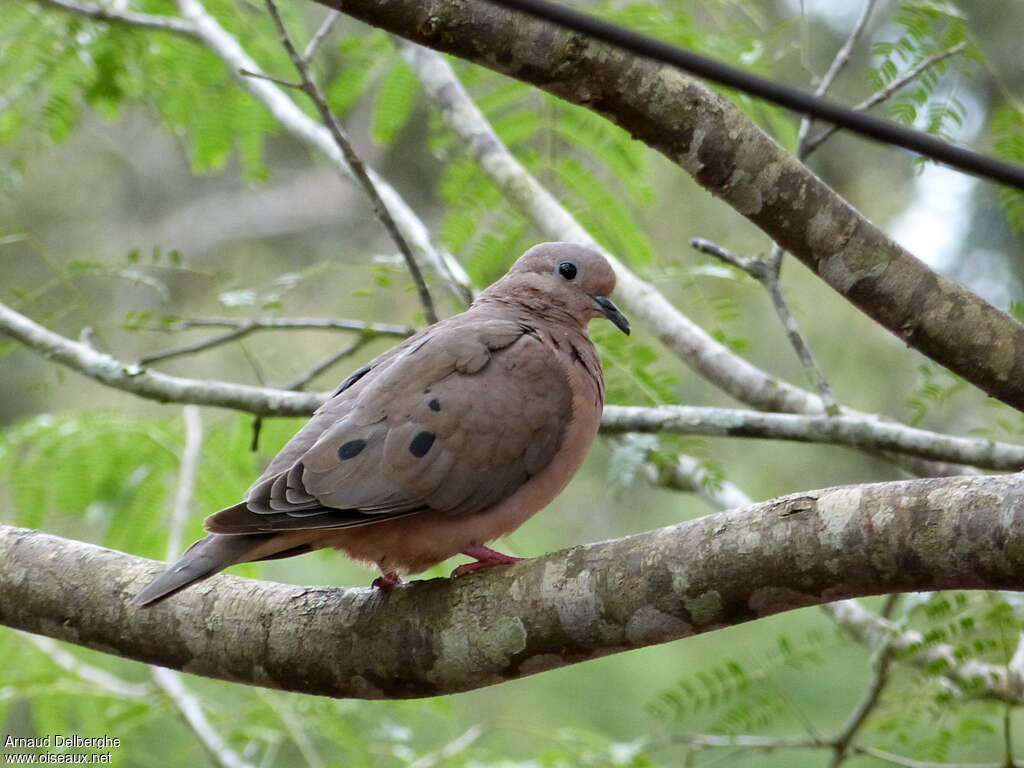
842	57
685	473
766	272
111	684
199	346
293	323
975	677
242	328
332	359
170	683
451	749
843	740
884	94
168	680
271	79
186	478
152	384
99	13
856	431
355	163
745	740
907	762
840	61
842	430
320	35
555	610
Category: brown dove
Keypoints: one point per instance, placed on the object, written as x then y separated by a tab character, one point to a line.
449	440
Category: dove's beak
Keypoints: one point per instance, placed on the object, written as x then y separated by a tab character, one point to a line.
609	310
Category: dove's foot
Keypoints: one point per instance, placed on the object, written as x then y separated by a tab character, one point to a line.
388	581
485	558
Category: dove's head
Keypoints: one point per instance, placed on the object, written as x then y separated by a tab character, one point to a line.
573	278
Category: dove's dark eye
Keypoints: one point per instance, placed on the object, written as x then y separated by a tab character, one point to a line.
567	270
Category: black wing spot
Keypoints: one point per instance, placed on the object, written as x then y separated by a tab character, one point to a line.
435	404
420	445
351	449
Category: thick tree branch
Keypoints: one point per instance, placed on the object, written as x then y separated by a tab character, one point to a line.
726	153
442	636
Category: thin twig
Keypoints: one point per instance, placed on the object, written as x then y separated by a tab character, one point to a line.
844	738
242	328
451	749
270	78
199	346
200	25
191	709
99	13
883	94
186	478
298	384
292	323
907	762
976	678
766	272
745	740
1008	736
169	681
839	62
112	684
311	89
320	35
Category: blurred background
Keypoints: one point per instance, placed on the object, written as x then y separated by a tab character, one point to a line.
141	186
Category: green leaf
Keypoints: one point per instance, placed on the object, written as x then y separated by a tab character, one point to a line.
396	100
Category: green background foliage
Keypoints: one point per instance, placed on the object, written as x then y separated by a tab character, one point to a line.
142	183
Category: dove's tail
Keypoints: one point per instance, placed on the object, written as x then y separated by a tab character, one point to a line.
212	555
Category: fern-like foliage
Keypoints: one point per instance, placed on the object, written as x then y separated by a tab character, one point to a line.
1008	142
925	27
736	695
55	65
927	717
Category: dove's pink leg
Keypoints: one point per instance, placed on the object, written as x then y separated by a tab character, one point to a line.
485	558
388	581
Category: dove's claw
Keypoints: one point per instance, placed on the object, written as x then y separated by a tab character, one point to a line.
388	581
485	558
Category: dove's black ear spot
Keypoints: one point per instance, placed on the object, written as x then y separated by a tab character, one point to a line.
420	445
435	404
351	449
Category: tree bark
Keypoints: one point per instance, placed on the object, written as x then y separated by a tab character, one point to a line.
444	636
731	157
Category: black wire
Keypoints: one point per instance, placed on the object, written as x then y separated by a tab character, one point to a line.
792	98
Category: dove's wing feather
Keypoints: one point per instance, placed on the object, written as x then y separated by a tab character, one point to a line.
453	421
